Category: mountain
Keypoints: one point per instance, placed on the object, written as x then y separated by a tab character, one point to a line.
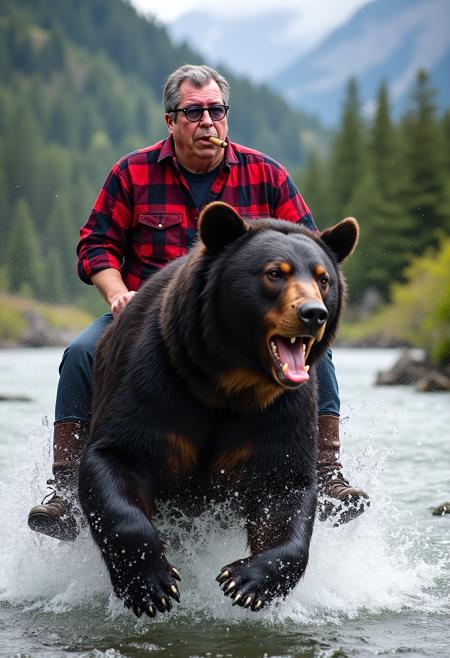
259	58
385	40
261	42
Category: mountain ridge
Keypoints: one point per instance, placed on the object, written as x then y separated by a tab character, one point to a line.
386	40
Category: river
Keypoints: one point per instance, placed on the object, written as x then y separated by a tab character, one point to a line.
379	586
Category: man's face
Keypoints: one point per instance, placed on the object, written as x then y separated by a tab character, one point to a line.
191	138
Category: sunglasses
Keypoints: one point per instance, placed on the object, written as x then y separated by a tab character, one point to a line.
194	113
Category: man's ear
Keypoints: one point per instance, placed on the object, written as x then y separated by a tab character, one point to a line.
168	117
342	238
218	225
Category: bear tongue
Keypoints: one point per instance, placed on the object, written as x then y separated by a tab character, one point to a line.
293	355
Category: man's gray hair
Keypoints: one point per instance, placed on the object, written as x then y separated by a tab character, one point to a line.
197	76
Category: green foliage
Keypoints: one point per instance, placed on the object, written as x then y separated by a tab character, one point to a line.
424	302
419	312
12	322
24	255
15	310
423	162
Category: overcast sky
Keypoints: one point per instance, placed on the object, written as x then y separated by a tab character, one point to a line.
317	16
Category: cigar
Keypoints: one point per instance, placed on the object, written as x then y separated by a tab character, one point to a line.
217	141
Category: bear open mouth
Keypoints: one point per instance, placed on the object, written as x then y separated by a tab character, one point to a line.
290	355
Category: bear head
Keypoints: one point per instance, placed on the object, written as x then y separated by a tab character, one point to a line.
269	295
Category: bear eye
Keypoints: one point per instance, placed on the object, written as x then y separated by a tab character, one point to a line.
274	274
324	280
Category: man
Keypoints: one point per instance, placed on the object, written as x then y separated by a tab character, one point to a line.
146	215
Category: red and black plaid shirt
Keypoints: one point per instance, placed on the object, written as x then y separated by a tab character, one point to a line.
146	216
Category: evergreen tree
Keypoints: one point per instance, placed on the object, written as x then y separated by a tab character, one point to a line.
376	202
22	144
24	262
55	290
348	155
313	184
61	239
423	162
53	178
5	216
383	146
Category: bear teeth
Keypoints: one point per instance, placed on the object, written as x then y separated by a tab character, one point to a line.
285	368
274	349
293	339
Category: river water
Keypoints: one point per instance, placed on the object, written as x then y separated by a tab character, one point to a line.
379	586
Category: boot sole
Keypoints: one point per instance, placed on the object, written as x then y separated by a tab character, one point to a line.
341	512
52	527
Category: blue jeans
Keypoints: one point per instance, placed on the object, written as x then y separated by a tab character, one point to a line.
74	394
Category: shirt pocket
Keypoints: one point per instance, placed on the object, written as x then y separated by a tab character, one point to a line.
159	235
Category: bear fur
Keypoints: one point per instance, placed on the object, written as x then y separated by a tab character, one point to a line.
201	390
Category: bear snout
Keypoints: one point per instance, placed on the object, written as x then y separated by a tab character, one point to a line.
313	316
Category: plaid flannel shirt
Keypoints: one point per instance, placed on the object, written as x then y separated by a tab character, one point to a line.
145	215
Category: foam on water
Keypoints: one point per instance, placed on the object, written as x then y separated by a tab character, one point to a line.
379	562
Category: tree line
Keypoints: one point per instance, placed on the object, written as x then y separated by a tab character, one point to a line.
393	176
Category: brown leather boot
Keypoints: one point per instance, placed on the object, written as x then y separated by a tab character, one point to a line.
58	516
341	501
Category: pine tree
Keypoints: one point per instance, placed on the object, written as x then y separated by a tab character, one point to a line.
383	145
376	201
55	290
423	162
61	239
313	184
348	155
25	267
22	145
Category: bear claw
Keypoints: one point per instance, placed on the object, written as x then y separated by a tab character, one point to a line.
247	602
174	572
224	575
236	598
174	593
229	586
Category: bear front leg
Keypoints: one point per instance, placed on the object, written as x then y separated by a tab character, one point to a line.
279	530
118	508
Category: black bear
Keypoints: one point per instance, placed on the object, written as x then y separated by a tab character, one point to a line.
203	388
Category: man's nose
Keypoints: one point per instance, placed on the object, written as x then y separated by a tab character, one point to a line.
205	118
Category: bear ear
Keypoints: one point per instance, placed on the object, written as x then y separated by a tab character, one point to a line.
220	224
342	238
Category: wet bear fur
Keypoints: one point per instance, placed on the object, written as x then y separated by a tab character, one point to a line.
191	404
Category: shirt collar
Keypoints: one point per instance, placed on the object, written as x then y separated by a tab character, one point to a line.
168	151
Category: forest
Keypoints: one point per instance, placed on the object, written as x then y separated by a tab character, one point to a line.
79	89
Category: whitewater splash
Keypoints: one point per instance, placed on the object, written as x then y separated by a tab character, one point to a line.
376	563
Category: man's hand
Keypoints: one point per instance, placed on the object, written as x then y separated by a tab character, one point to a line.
121	301
110	285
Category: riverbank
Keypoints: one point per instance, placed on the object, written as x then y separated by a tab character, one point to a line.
27	323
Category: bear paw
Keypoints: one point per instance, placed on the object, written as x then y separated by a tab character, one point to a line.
252	582
151	590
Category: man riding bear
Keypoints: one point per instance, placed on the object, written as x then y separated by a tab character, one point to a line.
145	216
